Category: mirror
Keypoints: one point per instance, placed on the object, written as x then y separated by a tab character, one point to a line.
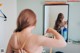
56	16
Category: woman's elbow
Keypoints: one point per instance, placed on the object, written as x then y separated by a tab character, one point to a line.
63	44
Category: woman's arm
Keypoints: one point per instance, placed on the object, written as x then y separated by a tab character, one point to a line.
9	49
57	41
13	44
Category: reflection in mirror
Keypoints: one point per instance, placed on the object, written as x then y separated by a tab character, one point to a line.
56	16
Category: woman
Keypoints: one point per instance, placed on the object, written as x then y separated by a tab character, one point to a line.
31	43
59	23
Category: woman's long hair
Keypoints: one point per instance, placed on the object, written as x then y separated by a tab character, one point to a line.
58	22
25	19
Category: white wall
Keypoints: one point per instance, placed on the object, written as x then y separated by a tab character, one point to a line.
74	20
6	27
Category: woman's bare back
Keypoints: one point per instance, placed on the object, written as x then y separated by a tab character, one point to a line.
32	43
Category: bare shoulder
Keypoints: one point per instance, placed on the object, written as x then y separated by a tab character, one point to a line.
13	40
13	36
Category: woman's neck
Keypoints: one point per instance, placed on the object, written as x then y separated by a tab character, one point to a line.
27	30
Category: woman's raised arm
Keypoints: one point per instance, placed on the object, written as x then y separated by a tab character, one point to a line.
57	41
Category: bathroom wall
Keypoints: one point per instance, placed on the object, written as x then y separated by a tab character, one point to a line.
74	20
9	8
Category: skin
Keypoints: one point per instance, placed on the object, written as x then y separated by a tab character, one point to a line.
34	43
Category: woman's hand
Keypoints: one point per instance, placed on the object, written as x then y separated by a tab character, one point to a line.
49	30
65	22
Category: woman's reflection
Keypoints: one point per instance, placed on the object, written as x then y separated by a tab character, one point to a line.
61	25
